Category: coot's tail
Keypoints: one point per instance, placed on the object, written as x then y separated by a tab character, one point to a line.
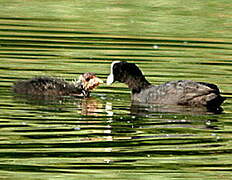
216	101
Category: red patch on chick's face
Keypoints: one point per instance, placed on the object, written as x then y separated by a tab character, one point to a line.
90	81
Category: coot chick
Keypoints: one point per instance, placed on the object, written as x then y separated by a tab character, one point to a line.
182	92
50	86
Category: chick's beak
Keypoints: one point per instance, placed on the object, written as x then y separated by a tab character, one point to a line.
93	83
96	79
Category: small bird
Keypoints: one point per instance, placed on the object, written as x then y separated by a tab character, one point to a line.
50	86
180	92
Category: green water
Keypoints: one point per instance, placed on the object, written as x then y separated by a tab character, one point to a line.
104	136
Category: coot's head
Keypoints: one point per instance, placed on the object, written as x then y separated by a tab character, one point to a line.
128	73
89	80
121	71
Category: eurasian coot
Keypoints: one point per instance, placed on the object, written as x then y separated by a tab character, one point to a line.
182	92
50	86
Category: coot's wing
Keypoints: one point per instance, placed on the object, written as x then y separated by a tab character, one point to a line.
198	93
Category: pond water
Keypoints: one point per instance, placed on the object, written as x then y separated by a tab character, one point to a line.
104	136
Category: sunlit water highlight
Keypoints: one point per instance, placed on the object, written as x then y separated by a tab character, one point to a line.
104	136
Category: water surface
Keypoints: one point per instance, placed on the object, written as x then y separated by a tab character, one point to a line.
104	136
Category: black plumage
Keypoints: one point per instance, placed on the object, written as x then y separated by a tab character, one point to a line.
181	92
50	86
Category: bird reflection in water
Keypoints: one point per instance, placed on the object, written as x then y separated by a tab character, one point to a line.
157	116
144	109
89	106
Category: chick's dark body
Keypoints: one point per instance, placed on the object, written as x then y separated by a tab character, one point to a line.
48	86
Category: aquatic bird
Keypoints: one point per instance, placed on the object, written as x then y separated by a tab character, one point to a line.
50	86
180	92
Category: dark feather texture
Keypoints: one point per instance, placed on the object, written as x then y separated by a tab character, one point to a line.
49	86
182	92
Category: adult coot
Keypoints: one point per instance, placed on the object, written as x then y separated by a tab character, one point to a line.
182	92
50	86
